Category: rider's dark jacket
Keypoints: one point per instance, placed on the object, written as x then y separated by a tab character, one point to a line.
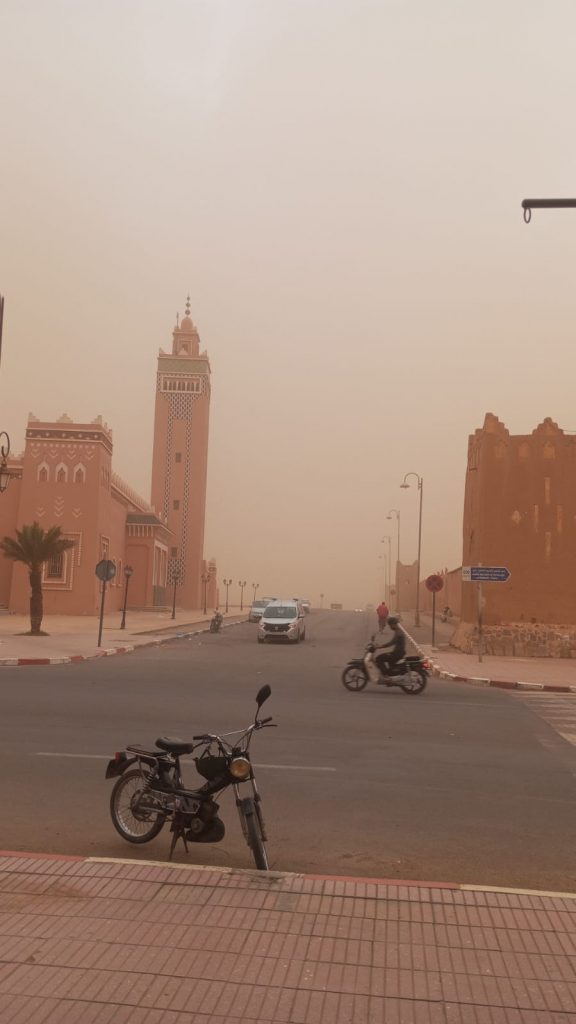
396	646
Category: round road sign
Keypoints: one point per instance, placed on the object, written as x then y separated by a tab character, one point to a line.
434	583
105	570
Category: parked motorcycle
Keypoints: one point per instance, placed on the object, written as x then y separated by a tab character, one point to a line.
153	792
216	622
410	674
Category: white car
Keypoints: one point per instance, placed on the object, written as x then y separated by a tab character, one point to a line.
282	620
258	608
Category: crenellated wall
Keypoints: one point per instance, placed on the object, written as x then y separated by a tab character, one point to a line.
520	512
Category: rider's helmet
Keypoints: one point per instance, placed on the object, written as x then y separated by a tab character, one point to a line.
393	621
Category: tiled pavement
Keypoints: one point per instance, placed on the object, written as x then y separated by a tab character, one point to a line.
113	942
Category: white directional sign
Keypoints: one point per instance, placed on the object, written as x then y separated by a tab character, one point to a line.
485	573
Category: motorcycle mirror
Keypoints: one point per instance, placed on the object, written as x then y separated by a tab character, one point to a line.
263	694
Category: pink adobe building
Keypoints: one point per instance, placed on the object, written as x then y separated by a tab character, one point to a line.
520	512
65	478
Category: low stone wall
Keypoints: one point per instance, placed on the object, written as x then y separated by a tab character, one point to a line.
518	640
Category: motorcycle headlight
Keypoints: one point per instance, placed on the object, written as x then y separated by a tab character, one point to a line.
240	768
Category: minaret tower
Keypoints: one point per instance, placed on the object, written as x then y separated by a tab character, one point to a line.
180	455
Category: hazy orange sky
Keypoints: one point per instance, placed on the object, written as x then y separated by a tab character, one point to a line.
337	183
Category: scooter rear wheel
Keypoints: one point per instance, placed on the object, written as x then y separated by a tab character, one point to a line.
418	680
354	679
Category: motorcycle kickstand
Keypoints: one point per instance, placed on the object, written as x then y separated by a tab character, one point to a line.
176	835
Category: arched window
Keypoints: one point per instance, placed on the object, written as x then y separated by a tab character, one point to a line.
43	473
79	474
61	473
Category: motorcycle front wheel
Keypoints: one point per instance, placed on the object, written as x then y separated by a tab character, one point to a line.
417	681
132	809
253	833
354	679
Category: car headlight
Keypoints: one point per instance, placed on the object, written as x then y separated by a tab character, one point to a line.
240	768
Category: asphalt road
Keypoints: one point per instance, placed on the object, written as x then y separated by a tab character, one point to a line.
458	784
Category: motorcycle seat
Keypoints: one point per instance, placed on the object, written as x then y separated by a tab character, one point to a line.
174	745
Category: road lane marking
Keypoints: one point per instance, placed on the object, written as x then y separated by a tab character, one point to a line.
284	767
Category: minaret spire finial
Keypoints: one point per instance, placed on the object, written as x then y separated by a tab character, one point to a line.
187	305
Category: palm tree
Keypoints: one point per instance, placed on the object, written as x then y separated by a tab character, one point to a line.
34	546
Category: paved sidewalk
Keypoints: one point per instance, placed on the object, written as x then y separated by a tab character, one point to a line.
87	941
75	638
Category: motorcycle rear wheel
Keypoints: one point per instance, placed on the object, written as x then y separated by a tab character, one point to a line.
418	681
254	833
354	679
135	824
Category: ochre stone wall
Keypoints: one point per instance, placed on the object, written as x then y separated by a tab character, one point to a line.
518	640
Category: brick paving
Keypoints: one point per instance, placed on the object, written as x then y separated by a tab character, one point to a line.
88	941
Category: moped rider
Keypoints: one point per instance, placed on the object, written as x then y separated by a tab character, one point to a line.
396	646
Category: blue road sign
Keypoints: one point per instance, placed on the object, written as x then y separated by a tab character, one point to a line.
485	573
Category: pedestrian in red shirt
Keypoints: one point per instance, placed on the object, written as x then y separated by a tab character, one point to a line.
382	612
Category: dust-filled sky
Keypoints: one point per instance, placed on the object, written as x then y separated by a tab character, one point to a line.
337	183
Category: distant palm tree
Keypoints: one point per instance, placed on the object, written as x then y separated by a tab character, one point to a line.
34	546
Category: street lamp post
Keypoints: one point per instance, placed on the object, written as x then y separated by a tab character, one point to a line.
387	537
421	489
396	512
321	600
205	577
241	584
128	570
227	585
175	581
254	588
4	453
383	558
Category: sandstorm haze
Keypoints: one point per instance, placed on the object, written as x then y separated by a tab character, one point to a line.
337	185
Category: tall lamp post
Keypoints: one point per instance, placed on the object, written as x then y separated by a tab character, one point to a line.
227	585
421	489
205	577
241	584
321	600
396	512
128	570
175	581
4	447
388	538
254	588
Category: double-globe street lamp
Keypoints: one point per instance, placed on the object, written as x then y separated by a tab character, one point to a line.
421	489
389	570
396	512
241	584
254	588
128	570
175	581
227	584
205	577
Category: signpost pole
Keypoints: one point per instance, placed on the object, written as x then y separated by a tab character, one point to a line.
433	618
102	612
480	622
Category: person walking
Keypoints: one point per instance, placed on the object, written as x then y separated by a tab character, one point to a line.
382	612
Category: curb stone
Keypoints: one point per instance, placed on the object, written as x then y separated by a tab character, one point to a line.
502	684
108	651
266	876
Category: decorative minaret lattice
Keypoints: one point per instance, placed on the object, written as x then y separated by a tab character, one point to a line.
180	455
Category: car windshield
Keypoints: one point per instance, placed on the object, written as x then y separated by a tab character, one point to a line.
281	611
260	604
